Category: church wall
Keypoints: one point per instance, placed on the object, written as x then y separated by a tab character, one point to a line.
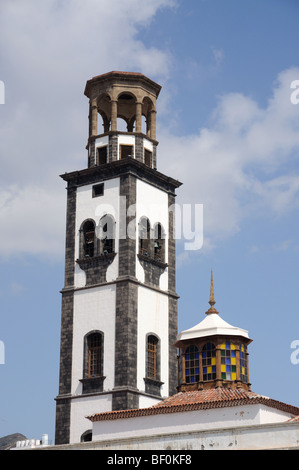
152	318
83	406
94	208
200	420
268	416
153	204
153	306
283	436
146	401
94	309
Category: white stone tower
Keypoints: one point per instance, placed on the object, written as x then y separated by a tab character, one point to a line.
119	301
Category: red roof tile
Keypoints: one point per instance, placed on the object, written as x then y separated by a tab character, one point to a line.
296	418
206	396
198	400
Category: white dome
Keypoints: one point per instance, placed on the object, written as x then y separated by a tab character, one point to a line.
212	325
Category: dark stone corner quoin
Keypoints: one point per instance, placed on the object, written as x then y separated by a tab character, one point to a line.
95	268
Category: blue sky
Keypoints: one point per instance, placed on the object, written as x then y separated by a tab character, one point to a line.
227	129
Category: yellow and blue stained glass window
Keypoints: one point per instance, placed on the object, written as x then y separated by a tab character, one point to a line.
192	365
228	361
209	362
243	363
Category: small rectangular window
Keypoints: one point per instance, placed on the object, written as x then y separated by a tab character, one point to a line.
126	151
148	158
102	155
98	190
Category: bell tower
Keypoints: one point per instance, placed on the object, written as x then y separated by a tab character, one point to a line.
119	301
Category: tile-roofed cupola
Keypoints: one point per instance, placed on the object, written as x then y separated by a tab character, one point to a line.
213	353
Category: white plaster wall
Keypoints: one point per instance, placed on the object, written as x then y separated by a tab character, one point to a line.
148	145
146	401
153	204
102	141
187	422
94	309
268	415
280	436
82	407
152	318
94	208
123	139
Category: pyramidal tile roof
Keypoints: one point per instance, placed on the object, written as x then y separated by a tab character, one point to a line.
198	400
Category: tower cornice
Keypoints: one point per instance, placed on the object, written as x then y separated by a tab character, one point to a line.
119	168
117	77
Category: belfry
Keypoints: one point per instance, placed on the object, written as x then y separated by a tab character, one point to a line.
119	300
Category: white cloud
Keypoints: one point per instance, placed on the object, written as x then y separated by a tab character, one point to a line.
285	245
218	55
49	49
16	288
32	221
237	165
243	164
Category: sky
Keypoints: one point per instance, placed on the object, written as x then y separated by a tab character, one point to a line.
228	129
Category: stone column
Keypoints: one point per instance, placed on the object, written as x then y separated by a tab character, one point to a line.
113	115
153	124
94	117
138	116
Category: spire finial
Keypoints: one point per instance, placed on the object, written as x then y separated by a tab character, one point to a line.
212	298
